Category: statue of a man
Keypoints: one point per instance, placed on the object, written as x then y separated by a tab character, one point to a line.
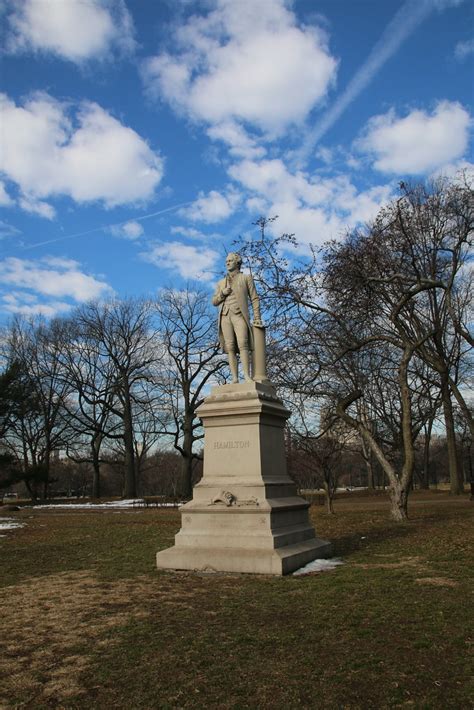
232	295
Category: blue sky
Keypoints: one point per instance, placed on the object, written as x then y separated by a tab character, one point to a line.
139	138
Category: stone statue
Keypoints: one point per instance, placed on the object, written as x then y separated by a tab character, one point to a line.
245	484
232	295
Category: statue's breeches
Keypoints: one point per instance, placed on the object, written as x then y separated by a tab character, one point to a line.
234	326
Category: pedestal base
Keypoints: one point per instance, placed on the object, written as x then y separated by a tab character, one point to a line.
277	562
245	515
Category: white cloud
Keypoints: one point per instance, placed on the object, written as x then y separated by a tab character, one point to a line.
42	209
190	232
333	159
273	180
15	296
353	162
5	199
362	207
52	277
311	225
257	205
75	30
7	230
21	304
245	61
132	230
239	142
129	230
419	142
89	155
326	155
189	261
464	49
458	170
315	208
403	23
213	207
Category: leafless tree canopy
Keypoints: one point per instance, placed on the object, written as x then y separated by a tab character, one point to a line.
368	336
113	382
375	325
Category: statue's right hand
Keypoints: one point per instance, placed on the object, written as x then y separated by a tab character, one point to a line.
226	291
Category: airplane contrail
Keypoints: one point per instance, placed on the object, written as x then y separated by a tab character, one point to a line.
404	22
108	226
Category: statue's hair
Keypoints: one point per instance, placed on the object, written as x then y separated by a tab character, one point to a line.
238	257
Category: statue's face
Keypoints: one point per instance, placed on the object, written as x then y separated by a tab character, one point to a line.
232	262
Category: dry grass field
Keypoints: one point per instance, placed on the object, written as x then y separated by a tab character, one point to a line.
87	622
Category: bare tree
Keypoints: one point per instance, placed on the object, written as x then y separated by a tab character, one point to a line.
19	407
149	418
10	395
39	427
427	233
122	334
365	450
344	316
91	376
465	438
320	450
190	361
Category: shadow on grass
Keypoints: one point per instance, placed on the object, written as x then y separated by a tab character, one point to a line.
347	545
353	532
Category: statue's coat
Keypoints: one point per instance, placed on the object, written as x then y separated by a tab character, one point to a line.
244	290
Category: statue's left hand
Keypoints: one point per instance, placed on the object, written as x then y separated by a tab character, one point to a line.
258	323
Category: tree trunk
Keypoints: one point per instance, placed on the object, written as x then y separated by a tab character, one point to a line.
367	453
398	509
456	486
31	491
470	472
130	490
367	456
370	474
329	504
138	472
95	446
186	477
425	481
399	502
47	463
187	461
467	412
398	486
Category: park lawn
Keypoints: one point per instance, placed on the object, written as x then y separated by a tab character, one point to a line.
86	621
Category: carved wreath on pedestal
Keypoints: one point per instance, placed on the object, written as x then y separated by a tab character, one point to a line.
230	499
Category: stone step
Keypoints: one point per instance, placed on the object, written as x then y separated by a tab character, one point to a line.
253	539
279	561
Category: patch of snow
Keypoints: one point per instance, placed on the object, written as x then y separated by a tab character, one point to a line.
319	566
350	489
130	503
10	524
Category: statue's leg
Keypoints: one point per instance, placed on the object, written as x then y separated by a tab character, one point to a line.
242	333
230	348
245	357
233	366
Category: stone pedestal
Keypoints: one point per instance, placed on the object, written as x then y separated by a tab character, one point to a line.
245	515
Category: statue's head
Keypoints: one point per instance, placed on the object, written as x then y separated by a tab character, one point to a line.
233	261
